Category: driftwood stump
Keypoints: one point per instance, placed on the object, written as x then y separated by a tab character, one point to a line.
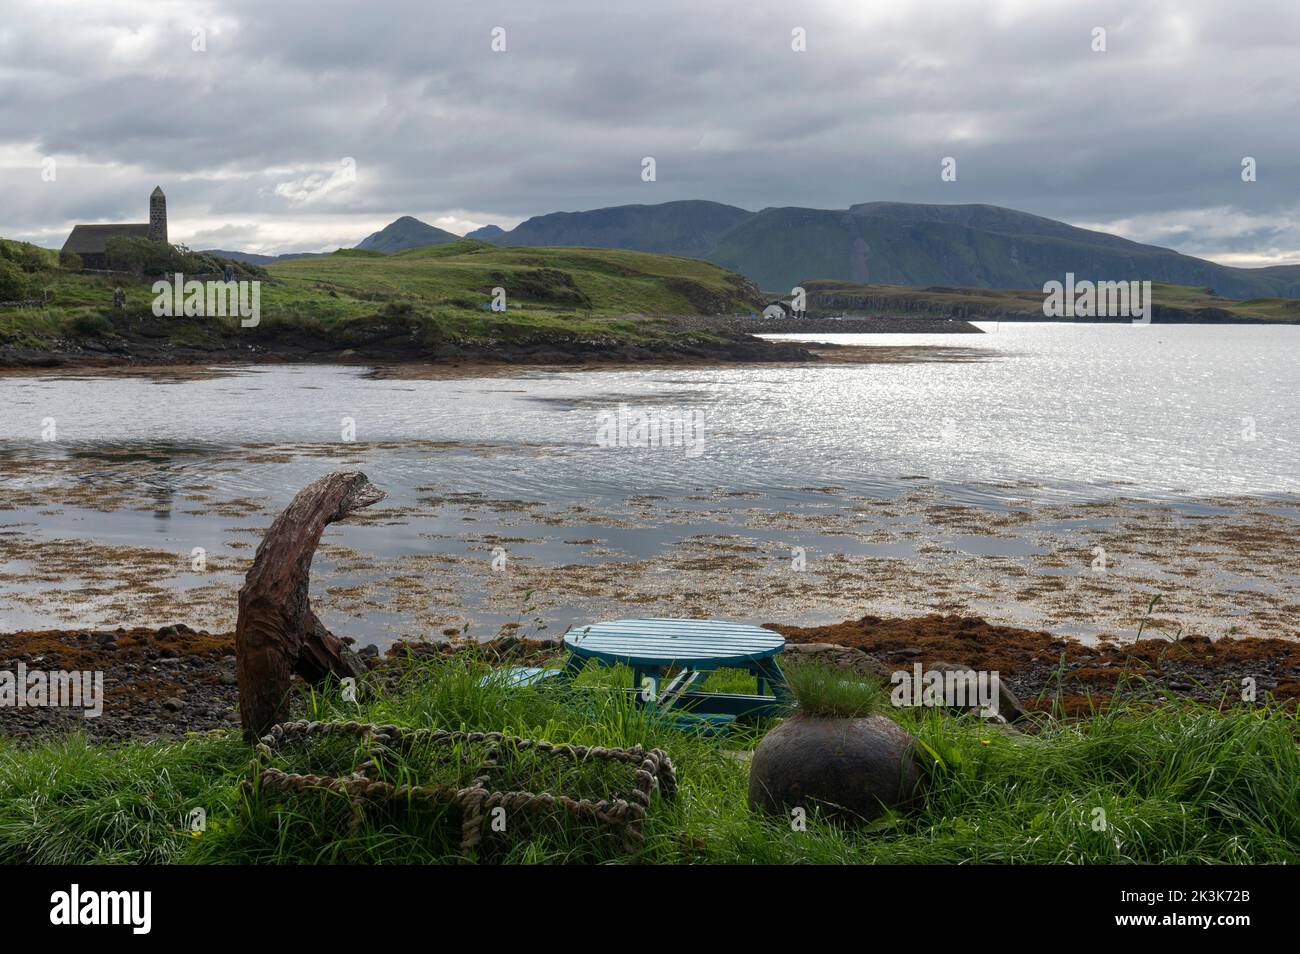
277	633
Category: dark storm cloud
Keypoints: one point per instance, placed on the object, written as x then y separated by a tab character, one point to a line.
250	136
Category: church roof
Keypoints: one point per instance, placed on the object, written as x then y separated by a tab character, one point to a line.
90	239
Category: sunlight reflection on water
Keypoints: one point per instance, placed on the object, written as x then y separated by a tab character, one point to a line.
1084	408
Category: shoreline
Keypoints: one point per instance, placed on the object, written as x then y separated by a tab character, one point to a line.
166	682
814	353
740	349
681	340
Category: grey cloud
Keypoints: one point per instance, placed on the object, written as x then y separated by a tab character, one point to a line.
438	124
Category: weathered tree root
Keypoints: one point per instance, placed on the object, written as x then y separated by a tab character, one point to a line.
277	634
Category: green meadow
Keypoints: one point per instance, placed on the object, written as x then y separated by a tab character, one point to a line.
449	290
1179	783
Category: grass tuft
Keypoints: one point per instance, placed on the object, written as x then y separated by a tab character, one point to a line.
832	694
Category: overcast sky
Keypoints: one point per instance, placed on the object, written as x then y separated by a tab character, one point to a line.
255	138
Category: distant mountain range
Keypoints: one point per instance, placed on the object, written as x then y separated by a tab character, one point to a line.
252	258
974	246
970	246
488	233
406	232
690	228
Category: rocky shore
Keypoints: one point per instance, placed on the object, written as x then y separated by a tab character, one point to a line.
136	340
156	683
161	683
1052	673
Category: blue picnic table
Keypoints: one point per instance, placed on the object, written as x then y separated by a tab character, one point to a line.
695	647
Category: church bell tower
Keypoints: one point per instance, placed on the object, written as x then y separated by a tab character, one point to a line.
158	215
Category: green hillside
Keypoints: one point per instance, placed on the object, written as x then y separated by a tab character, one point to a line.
458	279
442	292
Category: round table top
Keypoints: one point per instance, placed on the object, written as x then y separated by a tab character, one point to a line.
661	642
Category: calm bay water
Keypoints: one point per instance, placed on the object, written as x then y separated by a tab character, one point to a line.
1077	409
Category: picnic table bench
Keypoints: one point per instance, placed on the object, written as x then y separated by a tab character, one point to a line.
695	647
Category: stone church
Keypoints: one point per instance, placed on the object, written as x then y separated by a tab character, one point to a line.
88	241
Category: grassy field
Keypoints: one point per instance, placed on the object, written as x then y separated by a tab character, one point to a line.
1187	303
448	287
1176	784
557	280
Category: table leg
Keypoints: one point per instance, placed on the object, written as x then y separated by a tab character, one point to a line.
769	671
681	682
